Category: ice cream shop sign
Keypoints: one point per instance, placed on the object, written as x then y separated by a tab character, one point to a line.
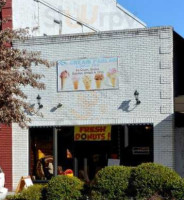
88	74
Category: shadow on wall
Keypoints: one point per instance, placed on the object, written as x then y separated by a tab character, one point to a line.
127	106
179	149
165	142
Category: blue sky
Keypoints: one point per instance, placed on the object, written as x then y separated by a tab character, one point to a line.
158	12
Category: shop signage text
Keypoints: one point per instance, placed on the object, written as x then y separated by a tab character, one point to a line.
88	74
141	150
92	133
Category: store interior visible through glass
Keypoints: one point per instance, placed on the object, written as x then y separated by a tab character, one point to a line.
83	151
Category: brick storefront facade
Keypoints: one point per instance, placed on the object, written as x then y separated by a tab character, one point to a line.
145	63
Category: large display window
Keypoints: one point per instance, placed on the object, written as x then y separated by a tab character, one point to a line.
87	149
41	153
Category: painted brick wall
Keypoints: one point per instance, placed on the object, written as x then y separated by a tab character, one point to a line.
7	14
20	153
142	56
6	153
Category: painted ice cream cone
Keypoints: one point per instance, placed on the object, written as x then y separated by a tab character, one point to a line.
87	82
75	82
113	81
98	84
112	74
76	85
63	80
88	86
99	78
64	75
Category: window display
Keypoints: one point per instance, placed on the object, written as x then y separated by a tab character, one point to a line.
85	156
41	153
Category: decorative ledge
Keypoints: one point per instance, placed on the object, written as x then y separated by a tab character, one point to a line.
165	109
165	34
165	94
165	79
165	49
165	64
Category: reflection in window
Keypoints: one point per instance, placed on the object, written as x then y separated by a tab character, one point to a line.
127	146
41	153
65	149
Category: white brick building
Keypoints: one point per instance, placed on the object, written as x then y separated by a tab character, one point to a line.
54	17
142	132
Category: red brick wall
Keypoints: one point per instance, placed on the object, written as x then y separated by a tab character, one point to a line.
5	131
6	154
7	14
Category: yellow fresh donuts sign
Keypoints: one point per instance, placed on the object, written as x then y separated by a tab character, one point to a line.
92	133
88	74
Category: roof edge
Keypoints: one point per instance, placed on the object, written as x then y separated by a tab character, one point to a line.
104	32
79	36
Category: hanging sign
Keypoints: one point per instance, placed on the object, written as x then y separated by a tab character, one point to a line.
88	74
92	133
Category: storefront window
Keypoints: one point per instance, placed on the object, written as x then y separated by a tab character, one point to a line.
94	151
41	153
84	150
138	145
65	151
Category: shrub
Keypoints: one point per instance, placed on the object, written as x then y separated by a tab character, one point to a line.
64	188
13	197
149	179
111	183
31	193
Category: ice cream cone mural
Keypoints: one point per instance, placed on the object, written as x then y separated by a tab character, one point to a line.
64	75
88	74
76	85
112	74
87	82
99	78
63	80
113	81
75	80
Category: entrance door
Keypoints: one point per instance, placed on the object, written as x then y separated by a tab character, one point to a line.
138	145
65	149
91	157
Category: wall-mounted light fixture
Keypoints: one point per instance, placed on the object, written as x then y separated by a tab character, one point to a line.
40	106
59	105
136	94
57	21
